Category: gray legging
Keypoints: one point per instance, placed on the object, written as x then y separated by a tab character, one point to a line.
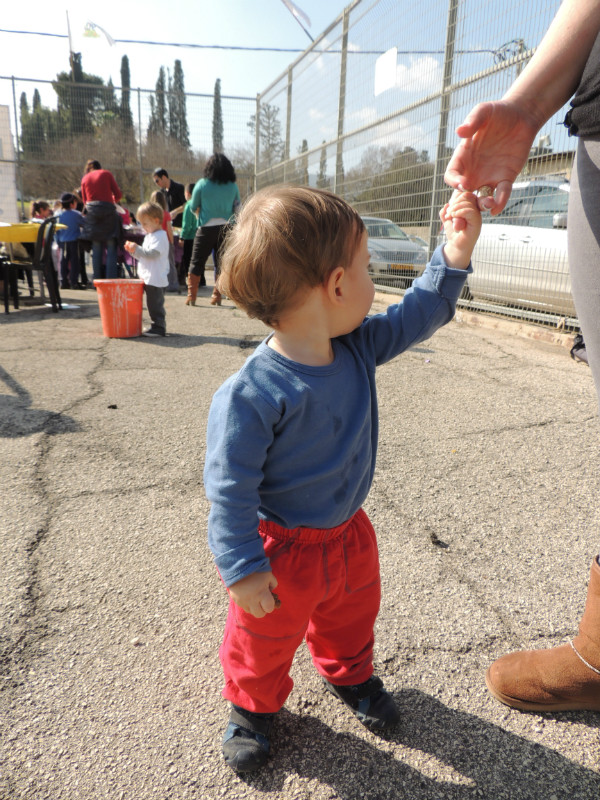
584	247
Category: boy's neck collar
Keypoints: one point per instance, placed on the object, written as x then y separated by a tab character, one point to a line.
302	351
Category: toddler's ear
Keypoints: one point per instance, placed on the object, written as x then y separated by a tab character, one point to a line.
334	283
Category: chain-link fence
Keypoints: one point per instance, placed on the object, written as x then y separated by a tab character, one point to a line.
370	110
58	125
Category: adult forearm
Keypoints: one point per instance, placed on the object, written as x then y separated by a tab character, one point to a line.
552	75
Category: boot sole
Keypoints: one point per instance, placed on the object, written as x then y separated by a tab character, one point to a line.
524	705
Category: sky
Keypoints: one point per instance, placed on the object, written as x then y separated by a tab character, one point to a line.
250	23
268	24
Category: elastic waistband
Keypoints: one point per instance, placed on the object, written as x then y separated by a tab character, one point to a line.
307	535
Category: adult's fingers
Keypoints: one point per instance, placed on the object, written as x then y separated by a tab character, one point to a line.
501	195
474	120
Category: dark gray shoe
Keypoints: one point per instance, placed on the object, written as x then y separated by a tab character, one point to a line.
369	702
246	744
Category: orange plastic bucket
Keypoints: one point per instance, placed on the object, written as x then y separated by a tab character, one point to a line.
120	301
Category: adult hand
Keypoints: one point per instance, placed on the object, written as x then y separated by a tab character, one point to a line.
496	142
254	593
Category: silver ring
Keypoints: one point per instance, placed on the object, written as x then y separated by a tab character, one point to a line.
485	191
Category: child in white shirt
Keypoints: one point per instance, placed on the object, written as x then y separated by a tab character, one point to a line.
153	265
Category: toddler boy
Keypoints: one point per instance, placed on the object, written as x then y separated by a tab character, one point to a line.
153	265
291	446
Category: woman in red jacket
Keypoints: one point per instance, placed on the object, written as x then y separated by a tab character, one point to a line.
100	192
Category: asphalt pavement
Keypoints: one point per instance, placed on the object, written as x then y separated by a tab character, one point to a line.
485	501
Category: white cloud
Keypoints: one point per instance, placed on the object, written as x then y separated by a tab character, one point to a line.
423	74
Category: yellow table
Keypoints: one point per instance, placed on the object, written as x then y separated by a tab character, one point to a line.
12	233
21	231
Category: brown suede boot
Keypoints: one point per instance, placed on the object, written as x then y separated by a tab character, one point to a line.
192	283
215	299
565	678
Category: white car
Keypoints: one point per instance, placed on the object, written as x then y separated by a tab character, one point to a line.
395	260
521	256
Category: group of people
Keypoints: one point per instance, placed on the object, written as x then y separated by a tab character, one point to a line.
91	221
202	211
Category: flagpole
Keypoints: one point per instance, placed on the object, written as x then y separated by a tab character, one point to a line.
296	14
303	28
70	47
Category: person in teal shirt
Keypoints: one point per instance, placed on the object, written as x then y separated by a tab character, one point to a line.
215	200
189	226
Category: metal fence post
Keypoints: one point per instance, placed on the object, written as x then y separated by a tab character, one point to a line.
140	145
288	125
339	156
257	143
439	188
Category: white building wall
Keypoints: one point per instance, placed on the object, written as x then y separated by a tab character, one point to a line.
8	174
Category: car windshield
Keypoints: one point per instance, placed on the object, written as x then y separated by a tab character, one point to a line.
384	229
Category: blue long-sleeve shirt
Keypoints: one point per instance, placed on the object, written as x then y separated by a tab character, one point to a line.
73	219
296	444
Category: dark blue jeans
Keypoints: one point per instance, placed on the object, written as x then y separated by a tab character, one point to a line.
111	258
69	263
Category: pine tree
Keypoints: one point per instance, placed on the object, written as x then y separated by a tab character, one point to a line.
322	182
80	95
303	176
28	140
38	123
126	116
158	125
269	135
111	107
178	126
217	124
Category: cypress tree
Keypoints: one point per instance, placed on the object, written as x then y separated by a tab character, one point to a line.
217	125
178	126
158	124
126	116
322	182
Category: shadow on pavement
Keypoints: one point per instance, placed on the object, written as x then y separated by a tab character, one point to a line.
484	760
18	419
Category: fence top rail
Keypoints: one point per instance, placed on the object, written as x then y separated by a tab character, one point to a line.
92	86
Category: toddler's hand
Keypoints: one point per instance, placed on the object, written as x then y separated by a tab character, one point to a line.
462	224
254	593
130	247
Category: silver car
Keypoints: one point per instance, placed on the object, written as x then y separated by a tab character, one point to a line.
395	260
521	256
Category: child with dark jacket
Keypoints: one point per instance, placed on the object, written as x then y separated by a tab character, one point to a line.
68	240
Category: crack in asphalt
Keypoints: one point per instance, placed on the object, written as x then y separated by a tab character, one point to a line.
23	628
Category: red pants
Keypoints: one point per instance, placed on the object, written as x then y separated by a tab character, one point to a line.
328	584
